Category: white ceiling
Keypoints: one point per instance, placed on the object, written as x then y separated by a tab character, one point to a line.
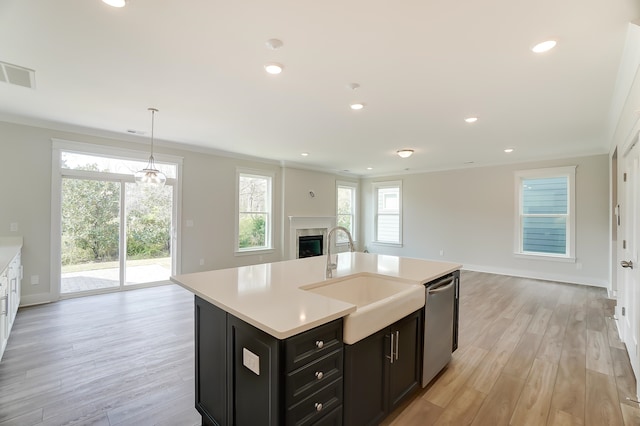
423	66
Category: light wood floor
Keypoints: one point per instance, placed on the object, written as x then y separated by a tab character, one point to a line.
113	359
531	352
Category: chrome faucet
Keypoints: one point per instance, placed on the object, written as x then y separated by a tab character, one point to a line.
330	265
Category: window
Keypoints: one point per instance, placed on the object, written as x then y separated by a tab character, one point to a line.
388	212
254	211
546	213
346	209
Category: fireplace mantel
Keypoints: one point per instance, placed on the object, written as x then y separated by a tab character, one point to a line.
297	223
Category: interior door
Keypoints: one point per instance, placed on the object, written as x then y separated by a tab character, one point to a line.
628	308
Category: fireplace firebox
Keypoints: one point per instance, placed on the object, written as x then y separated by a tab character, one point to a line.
310	245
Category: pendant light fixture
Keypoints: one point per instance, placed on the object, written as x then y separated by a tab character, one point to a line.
150	175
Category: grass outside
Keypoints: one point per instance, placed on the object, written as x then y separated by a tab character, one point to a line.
93	266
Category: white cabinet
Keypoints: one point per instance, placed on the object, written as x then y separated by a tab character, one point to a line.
4	312
14	277
10	283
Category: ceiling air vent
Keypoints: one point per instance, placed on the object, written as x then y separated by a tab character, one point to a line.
20	76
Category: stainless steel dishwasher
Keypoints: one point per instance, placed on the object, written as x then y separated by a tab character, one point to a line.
440	324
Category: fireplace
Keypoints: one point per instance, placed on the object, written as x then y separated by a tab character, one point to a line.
310	245
308	234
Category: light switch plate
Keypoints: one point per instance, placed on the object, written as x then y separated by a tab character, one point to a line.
251	361
13	227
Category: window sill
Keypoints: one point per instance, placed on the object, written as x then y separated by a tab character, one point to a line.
253	252
382	243
540	256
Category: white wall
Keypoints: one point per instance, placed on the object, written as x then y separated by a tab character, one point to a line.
466	213
470	214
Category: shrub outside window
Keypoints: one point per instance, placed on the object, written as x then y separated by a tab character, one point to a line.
254	211
346	210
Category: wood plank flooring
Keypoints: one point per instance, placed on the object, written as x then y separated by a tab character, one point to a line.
530	353
113	359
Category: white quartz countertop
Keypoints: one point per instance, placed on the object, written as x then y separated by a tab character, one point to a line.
268	296
9	247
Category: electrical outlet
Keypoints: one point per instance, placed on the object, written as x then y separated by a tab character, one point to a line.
201	262
189	223
441	252
13	227
578	265
35	279
251	361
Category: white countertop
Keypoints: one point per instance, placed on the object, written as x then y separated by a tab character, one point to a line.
268	295
9	247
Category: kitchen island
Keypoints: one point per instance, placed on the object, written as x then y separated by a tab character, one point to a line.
268	351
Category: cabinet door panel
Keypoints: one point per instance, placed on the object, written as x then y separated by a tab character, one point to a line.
256	396
211	362
365	373
404	376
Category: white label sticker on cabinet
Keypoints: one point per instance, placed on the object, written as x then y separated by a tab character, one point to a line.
251	361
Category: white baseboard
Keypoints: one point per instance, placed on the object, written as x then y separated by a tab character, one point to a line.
36	299
538	275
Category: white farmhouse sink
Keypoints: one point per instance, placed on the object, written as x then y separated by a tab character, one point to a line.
380	302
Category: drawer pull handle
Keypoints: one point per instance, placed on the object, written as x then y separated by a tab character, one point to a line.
318	406
319	344
319	375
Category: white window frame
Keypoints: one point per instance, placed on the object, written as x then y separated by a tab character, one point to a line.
568	172
354	213
270	176
376	187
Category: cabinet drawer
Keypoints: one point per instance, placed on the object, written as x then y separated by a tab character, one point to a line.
334	418
313	344
308	379
316	406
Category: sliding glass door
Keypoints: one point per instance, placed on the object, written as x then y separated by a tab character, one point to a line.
148	231
114	233
90	235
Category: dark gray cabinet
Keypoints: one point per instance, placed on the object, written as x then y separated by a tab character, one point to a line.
245	376
211	363
382	370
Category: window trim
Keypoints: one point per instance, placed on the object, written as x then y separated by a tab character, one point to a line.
381	185
566	171
354	212
270	176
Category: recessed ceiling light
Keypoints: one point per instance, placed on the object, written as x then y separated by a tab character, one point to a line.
405	153
369	168
357	106
116	3
508	150
305	154
544	46
273	68
471	119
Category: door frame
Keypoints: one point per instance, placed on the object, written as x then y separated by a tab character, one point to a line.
628	296
57	147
